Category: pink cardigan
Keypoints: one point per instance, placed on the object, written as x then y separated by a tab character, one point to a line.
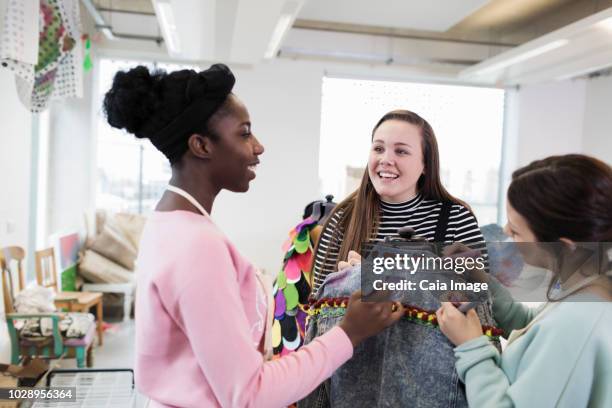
200	319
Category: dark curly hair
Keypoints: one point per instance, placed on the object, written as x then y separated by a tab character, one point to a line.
143	102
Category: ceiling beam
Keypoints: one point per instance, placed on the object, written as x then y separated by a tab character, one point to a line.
390	32
122	11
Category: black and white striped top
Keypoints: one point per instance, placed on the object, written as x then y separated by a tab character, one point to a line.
420	214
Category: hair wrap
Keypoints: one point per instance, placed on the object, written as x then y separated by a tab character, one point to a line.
207	91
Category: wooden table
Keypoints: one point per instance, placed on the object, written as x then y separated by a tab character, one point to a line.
82	302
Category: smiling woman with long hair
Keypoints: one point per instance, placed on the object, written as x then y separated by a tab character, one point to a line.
400	187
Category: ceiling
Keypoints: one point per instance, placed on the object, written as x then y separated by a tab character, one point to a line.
432	15
417	32
581	48
510	21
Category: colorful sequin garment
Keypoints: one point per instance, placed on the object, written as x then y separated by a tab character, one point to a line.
291	290
337	307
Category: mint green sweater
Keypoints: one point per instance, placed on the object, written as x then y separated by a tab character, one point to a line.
563	360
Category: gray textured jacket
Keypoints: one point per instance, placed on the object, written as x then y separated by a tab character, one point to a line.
410	364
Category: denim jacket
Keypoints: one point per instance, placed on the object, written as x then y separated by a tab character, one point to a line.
409	364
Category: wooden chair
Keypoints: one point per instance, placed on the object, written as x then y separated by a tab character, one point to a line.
46	276
11	259
54	346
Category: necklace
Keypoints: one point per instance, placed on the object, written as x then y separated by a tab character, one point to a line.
189	198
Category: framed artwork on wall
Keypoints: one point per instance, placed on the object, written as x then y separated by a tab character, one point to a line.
67	246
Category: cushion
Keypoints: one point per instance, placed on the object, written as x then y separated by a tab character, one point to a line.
131	225
85	339
98	269
113	244
39	331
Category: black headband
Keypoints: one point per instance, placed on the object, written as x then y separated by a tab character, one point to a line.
214	85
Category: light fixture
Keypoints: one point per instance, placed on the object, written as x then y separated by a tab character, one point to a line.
582	72
284	23
282	26
523	56
605	24
165	17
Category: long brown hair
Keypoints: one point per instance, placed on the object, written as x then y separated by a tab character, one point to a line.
361	209
566	196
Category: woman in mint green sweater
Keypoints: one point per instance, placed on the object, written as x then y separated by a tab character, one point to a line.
560	354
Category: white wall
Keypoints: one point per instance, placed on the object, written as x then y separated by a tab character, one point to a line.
550	120
15	159
557	118
597	139
540	120
15	152
71	161
284	100
569	116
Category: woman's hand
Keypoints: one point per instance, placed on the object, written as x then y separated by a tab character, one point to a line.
353	259
458	327
365	319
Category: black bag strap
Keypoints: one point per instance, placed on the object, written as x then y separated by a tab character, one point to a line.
442	225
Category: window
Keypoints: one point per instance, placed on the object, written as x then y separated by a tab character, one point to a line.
132	173
467	121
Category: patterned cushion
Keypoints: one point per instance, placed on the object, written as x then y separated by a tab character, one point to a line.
38	330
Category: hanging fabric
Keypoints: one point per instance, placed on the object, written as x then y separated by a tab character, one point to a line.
40	43
19	43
